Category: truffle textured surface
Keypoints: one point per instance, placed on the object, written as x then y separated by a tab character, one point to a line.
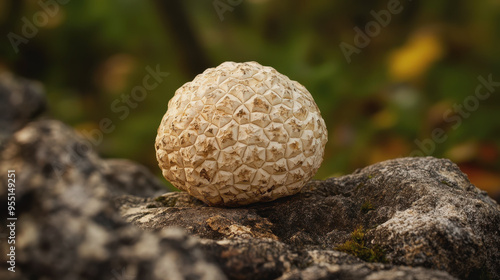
241	133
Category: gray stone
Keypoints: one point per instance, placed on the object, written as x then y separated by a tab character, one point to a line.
365	271
127	177
423	212
68	227
21	100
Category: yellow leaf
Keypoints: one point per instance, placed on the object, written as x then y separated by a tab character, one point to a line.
415	57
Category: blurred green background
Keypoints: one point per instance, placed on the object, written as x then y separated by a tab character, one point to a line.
412	76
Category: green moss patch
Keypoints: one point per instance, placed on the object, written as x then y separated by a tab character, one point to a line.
356	246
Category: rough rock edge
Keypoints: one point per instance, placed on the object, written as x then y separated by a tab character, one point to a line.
21	100
68	227
424	212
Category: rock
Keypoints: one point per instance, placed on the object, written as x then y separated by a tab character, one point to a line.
422	212
127	177
68	227
47	153
242	258
21	101
365	271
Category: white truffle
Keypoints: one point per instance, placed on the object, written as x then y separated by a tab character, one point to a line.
241	133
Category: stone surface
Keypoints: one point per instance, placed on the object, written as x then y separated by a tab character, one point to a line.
423	212
365	271
241	133
68	227
127	177
21	100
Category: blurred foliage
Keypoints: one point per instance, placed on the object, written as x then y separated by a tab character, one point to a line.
396	91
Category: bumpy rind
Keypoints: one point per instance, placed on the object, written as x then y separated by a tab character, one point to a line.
241	133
